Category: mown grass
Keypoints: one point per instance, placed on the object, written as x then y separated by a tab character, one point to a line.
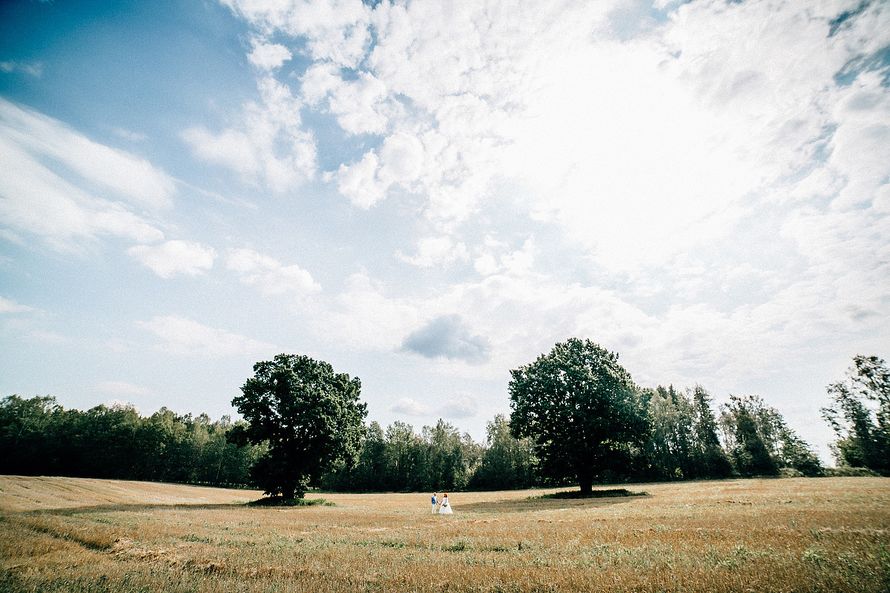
763	535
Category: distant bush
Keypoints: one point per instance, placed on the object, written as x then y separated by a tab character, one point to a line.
277	501
845	471
592	494
790	472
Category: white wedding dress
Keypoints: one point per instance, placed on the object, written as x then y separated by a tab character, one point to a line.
445	508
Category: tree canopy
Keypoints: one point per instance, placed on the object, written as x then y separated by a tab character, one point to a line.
680	439
309	416
40	437
859	414
582	410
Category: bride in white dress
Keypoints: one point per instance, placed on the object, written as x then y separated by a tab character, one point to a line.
445	506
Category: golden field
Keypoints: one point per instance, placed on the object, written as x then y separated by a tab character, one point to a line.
816	534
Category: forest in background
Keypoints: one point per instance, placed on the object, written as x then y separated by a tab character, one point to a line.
684	439
688	441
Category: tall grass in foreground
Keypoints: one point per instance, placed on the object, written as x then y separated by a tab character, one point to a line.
742	535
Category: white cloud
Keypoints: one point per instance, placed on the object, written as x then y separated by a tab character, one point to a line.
48	337
359	182
436	251
34	69
334	28
399	162
410	407
401	158
666	134
707	192
366	316
459	407
268	56
184	337
122	389
10	306
269	146
129	177
361	106
129	135
860	147
38	201
269	275
175	257
65	188
448	336
495	257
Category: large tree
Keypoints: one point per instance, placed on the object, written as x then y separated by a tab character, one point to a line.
671	444
308	416
711	459
748	437
860	415
582	410
762	441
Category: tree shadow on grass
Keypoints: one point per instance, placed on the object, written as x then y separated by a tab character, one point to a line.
555	502
135	508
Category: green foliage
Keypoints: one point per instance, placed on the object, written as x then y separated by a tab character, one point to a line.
582	410
448	458
508	462
439	458
670	446
798	455
577	414
747	450
845	471
367	472
761	442
683	443
309	417
859	414
24	424
710	458
40	437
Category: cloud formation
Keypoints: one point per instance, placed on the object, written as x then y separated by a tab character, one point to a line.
710	187
185	337
681	140
122	389
268	145
701	186
268	56
34	69
410	407
459	407
65	188
173	258
447	337
269	275
436	251
10	306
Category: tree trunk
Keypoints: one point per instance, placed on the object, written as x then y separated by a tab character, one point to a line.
585	481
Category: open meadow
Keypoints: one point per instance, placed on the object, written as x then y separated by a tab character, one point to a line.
828	534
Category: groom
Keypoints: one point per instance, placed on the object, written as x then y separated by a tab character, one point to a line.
435	501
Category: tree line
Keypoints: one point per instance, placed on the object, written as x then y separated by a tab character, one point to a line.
576	417
40	437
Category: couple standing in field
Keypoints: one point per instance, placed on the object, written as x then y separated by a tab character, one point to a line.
442	507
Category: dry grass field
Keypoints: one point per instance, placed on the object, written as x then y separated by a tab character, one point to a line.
64	534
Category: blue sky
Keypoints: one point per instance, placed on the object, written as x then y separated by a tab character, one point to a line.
429	195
